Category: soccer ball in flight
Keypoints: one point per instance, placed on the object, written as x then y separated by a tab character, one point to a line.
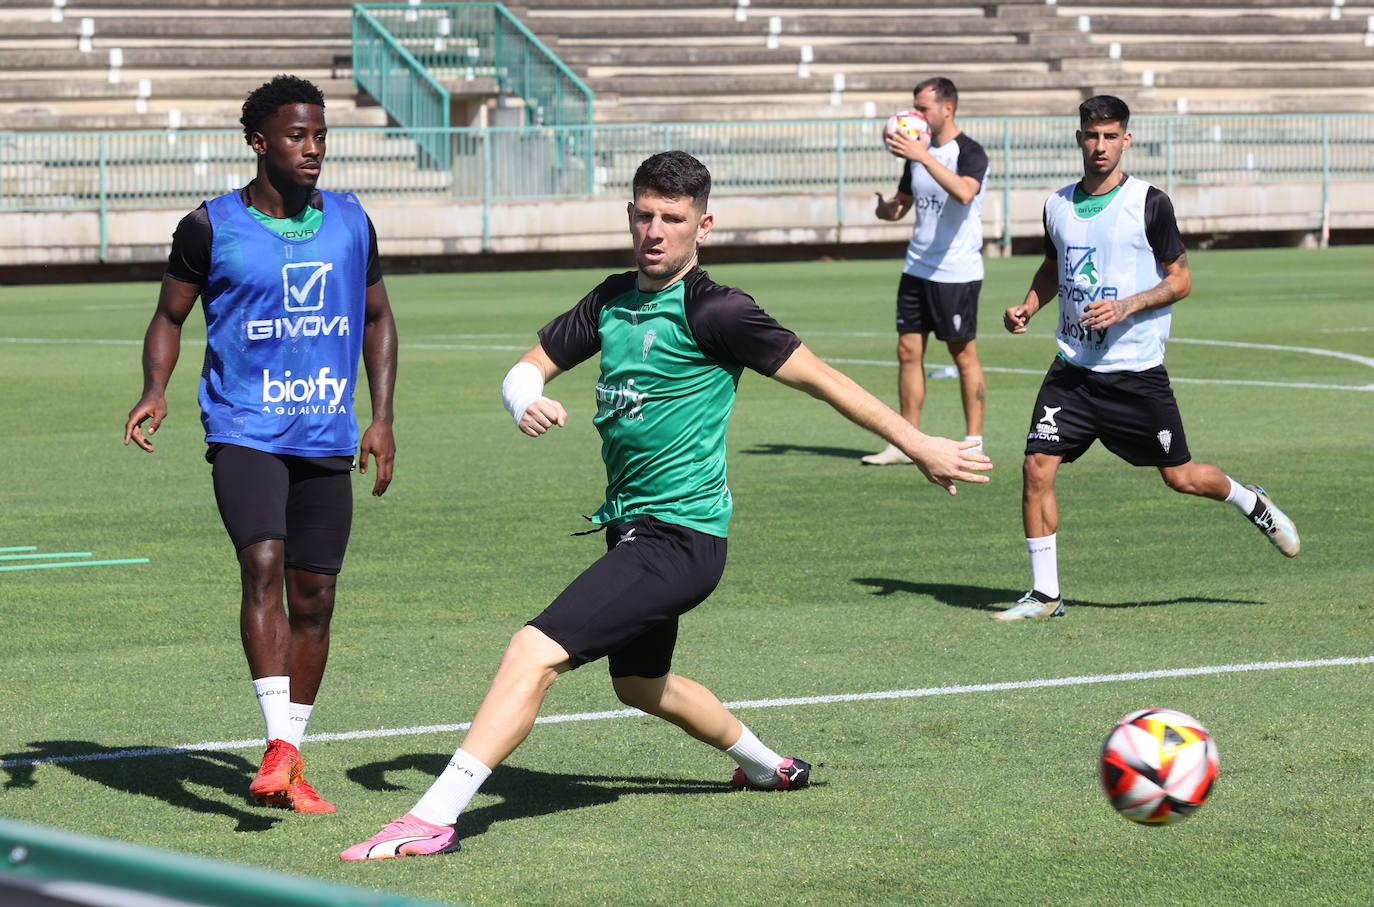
1158	766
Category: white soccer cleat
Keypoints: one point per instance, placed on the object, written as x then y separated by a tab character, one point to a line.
1275	524
1031	605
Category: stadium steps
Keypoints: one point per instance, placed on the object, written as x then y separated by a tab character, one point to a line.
1216	57
711	66
181	63
700	62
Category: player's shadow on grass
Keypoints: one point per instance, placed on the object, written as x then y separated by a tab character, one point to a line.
526	794
150	772
983	598
777	450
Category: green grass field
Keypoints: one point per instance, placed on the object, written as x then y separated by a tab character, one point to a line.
842	580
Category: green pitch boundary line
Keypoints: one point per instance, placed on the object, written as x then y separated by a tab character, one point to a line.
52	560
44	555
8	568
1043	683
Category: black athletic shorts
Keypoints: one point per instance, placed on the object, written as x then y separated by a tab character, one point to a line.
1134	414
950	310
626	605
307	501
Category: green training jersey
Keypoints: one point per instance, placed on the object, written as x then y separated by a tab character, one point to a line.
670	364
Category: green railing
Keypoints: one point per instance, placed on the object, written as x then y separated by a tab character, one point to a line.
50	866
404	55
131	170
385	69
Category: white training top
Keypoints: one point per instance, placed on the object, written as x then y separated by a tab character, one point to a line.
946	243
1110	255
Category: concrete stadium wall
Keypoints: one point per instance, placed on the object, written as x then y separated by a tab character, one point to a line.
56	246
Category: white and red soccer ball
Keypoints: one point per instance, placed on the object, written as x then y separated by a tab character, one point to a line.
1158	766
909	122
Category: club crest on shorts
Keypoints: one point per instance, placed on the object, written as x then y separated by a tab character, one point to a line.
1166	438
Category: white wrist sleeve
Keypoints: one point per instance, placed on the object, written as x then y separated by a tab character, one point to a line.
523	385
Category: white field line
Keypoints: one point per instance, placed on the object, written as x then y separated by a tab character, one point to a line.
959	689
91	341
1173	379
519	348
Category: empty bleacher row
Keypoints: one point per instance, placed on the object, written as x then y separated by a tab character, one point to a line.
806	58
136	64
129	64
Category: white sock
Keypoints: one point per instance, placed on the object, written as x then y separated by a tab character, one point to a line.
300	716
1044	557
1244	499
758	761
452	791
979	439
274	698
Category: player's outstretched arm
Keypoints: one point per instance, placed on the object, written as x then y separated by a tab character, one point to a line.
943	461
1044	287
379	360
161	348
522	392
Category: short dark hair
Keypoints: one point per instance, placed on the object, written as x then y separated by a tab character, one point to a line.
265	100
675	173
1104	108
944	90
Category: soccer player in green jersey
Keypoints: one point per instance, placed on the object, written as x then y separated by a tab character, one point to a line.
672	347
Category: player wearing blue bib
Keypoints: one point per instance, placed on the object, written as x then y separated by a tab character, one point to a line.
1115	259
292	292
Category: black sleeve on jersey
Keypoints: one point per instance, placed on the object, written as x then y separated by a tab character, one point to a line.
1051	250
190	258
1161	228
904	184
575	336
973	160
374	259
730	327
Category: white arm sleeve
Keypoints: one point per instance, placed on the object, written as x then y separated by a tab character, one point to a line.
523	385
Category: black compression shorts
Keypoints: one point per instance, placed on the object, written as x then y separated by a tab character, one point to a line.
307	501
626	605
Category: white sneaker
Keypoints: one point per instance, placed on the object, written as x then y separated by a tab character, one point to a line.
888	456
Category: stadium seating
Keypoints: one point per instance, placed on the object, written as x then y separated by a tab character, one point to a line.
818	58
135	64
141	64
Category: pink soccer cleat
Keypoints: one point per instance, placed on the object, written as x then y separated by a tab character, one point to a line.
792	774
405	837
